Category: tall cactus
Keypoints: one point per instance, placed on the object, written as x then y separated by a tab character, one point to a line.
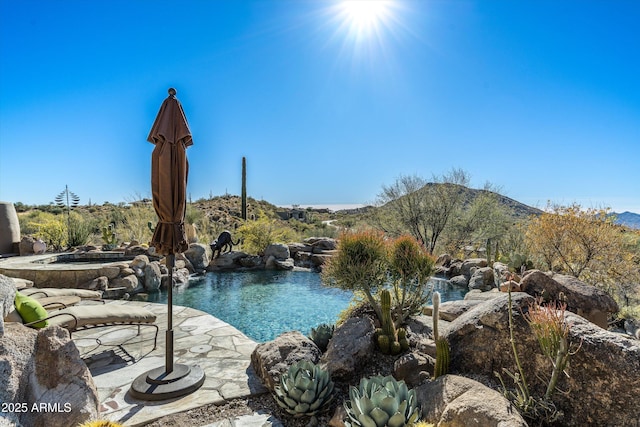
244	188
442	345
389	341
387	321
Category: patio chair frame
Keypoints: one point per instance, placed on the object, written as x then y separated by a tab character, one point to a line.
74	327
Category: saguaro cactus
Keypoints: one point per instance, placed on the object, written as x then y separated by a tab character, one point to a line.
244	188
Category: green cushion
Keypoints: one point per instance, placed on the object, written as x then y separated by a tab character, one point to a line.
30	310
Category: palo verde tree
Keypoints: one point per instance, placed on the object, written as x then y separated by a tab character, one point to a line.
421	208
483	223
586	244
573	240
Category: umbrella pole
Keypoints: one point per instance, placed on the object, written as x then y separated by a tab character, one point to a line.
171	261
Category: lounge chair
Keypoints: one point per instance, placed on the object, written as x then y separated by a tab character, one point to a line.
57	303
61	292
83	317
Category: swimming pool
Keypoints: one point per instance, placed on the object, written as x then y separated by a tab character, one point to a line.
264	304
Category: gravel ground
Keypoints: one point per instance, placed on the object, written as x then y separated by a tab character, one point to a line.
379	365
204	415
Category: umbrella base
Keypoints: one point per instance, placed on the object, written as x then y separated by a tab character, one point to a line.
157	384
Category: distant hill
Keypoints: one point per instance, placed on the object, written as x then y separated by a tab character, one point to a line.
628	219
512	207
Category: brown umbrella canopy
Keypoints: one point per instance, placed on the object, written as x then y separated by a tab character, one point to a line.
169	169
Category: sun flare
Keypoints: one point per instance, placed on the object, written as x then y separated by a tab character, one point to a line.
364	16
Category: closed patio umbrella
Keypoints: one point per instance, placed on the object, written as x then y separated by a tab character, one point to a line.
169	170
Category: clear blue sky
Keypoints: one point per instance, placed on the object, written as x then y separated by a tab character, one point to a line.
541	98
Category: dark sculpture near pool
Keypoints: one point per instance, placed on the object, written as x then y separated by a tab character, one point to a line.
223	241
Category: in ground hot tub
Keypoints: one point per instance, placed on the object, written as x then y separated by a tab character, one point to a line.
65	270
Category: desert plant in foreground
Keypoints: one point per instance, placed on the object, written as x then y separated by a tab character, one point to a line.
304	390
410	268
321	335
552	331
389	340
549	325
358	265
381	401
442	345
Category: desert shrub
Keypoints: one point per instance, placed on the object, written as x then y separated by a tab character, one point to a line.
81	228
586	244
52	229
409	268
264	231
133	224
360	264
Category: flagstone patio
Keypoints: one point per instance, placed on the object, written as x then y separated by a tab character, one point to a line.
199	339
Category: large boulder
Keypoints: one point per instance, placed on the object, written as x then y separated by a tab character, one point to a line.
478	295
98	284
501	271
44	368
459	280
604	372
254	261
284	264
152	277
482	278
321	243
318	260
183	262
130	283
197	255
350	348
413	367
139	262
471	263
7	298
588	301
271	359
277	250
443	260
227	261
451	310
455	401
294	248
26	245
455	268
420	333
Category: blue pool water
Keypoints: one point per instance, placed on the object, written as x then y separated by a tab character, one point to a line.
264	304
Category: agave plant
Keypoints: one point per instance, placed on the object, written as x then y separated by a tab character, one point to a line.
381	402
305	389
321	335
